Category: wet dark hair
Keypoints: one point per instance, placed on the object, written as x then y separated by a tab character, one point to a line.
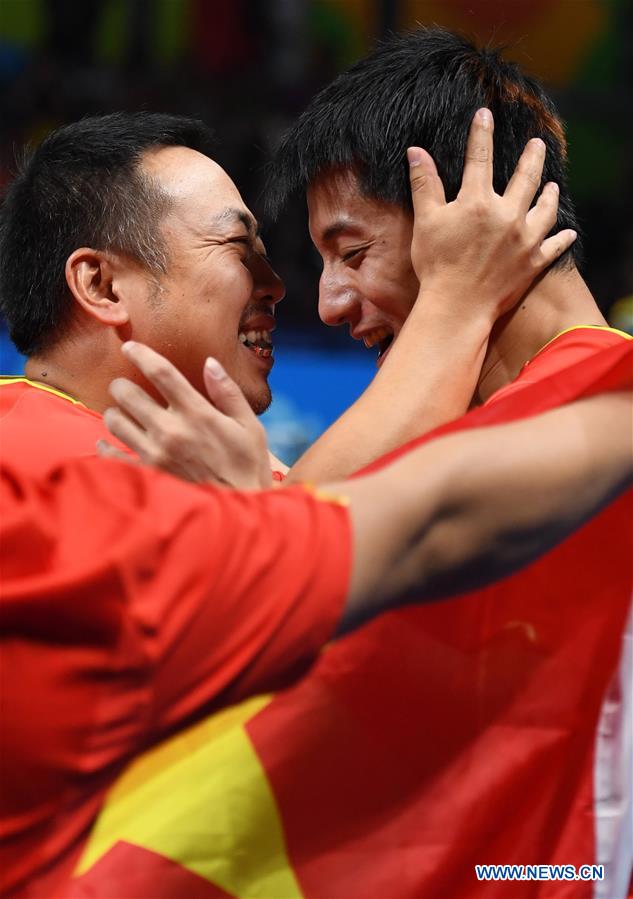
420	89
82	187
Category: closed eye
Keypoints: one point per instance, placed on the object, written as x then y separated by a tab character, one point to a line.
351	253
254	248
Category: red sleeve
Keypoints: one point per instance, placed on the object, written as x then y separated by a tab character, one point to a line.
608	368
133	602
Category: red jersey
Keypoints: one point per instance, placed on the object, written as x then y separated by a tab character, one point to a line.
42	427
133	606
480	730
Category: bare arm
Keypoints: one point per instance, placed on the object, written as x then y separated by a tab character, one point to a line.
470	508
474	258
457	513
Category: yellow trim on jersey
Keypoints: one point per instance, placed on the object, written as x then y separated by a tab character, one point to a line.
337	499
586	328
7	379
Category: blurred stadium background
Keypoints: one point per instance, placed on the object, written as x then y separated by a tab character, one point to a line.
248	67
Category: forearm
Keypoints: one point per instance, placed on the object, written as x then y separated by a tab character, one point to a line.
427	379
473	507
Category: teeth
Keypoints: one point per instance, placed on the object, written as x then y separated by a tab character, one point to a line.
255	337
373	337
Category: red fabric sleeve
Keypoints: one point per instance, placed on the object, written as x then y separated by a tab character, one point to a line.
132	602
607	369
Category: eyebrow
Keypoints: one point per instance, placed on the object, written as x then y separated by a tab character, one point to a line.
231	215
338	227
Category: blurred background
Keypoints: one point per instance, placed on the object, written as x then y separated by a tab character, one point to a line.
248	67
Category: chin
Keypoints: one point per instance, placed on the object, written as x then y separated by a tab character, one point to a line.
259	400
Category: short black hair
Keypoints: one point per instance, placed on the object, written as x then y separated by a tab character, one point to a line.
82	186
420	89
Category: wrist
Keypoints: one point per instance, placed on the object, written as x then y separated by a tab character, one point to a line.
450	308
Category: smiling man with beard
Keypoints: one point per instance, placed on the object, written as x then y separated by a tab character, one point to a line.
123	226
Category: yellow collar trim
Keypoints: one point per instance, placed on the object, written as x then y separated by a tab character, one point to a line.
4	380
585	328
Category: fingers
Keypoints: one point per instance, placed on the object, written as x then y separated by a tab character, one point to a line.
553	247
477	177
107	451
165	377
137	404
224	393
526	178
542	218
426	186
129	433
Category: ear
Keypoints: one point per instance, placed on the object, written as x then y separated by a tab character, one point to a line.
90	275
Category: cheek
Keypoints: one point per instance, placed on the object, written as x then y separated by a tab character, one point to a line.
391	285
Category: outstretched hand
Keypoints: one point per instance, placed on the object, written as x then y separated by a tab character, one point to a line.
218	442
492	246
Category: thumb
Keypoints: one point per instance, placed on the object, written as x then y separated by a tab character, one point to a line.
427	189
224	393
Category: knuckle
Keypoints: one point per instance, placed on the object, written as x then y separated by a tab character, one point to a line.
530	172
155	456
171	441
159	370
419	181
479	208
122	390
511	219
112	417
479	154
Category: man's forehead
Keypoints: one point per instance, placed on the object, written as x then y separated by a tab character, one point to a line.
336	205
201	187
182	171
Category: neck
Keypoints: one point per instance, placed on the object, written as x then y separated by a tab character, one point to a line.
559	300
82	368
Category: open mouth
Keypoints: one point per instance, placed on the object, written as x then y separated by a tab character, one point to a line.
258	342
380	337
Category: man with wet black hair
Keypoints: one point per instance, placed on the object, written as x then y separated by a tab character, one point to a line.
491	730
346	151
421	89
522	749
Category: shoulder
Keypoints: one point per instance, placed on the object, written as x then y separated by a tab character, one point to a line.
43	426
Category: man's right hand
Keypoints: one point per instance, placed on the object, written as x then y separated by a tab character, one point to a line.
491	245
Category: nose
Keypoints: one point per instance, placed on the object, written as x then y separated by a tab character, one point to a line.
338	302
269	287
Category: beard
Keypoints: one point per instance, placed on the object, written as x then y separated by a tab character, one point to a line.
259	400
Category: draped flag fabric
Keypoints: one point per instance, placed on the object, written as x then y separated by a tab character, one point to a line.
432	740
